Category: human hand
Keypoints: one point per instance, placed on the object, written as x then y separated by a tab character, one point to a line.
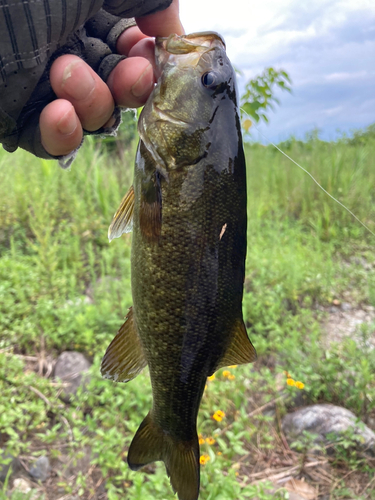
87	102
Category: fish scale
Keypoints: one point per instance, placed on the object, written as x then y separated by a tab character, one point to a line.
187	208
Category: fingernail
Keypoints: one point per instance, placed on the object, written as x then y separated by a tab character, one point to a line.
110	123
68	123
144	83
78	82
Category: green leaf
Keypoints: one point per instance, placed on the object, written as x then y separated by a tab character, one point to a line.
258	98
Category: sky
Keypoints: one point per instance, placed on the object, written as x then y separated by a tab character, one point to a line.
326	46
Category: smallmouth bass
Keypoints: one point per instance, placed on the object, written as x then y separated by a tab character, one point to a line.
187	210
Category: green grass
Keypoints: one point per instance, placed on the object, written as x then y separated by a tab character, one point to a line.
304	251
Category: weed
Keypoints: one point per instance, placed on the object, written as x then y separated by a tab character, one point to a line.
64	287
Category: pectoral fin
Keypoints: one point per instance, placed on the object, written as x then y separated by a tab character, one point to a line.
123	219
150	212
240	350
124	358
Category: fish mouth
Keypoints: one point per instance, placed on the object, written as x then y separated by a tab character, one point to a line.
194	42
193	46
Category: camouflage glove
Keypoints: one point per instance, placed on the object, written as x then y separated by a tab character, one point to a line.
33	35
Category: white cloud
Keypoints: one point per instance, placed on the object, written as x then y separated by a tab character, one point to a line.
339	77
333	111
327	47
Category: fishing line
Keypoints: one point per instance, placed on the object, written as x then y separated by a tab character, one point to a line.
313	178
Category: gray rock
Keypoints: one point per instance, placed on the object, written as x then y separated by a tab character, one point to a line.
11	461
327	421
40	470
345	306
71	367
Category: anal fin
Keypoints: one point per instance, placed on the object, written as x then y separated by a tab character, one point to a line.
123	219
181	458
240	350
124	358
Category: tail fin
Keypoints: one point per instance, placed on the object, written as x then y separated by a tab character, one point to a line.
181	458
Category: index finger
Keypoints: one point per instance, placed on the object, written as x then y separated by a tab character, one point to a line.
162	23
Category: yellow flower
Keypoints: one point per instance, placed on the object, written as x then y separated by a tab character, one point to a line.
201	440
210	441
299	385
204	459
219	453
290	381
218	415
212	377
246	124
231	377
226	373
233	366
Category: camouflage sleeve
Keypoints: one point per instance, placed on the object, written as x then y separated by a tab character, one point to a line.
32	34
130	8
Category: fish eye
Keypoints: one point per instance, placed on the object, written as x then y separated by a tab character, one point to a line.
209	79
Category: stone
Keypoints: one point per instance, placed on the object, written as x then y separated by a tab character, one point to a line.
328	421
11	461
72	367
40	470
21	485
345	306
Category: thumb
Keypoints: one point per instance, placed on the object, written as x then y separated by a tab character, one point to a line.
162	23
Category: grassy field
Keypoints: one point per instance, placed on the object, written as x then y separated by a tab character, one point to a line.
305	254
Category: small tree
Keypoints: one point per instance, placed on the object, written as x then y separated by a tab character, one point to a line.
259	97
